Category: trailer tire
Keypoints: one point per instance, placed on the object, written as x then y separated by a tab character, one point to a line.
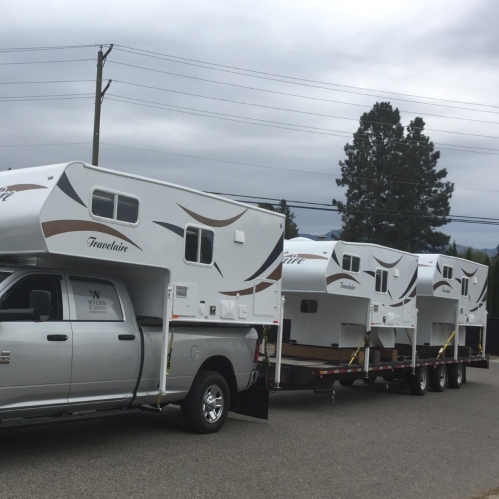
369	381
418	383
456	375
205	408
438	378
346	382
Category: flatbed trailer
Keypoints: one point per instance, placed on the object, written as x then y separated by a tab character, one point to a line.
320	376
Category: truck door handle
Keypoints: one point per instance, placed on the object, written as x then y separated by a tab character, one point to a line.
57	337
126	337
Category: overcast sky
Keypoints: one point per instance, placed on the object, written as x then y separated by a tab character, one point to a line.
267	93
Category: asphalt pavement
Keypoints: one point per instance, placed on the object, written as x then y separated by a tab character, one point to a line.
373	442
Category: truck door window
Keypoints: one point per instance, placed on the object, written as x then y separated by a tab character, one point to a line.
95	300
18	296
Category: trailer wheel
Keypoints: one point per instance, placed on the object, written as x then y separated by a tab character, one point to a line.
438	378
456	375
419	382
206	406
346	382
369	381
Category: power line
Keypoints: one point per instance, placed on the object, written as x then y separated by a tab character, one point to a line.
268	167
271	91
56	47
44	62
291	126
298	81
291	110
45	145
43	82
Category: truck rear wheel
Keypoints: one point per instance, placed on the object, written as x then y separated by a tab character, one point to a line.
456	375
438	378
205	408
418	383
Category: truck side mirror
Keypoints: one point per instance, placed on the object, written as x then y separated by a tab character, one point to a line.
41	302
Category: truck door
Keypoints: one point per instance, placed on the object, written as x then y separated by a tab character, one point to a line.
106	342
35	352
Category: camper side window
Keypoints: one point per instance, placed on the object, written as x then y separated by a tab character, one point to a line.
464	286
447	272
350	263
199	245
308	306
381	280
115	206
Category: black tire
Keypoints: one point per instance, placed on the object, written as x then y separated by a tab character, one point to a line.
456	375
389	378
369	381
438	378
346	382
206	406
418	383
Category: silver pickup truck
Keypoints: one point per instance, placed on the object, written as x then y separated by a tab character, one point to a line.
72	347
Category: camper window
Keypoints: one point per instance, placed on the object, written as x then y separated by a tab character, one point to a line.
381	280
464	286
447	272
95	300
350	263
115	206
199	245
308	306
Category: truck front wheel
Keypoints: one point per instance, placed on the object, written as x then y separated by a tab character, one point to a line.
206	407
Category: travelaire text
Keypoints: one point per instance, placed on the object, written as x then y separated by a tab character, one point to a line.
92	242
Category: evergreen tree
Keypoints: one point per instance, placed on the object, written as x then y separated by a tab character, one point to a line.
452	250
395	194
290	229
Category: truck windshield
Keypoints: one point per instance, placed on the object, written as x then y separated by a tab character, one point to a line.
4	275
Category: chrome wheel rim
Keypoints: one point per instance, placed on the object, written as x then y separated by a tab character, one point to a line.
423	380
459	374
442	377
213	403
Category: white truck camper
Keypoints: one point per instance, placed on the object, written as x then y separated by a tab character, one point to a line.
120	293
360	311
451	295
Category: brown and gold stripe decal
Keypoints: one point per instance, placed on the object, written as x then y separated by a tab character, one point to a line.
476	308
413	280
24	187
275	275
65	185
55	227
388	265
337	277
309	256
407	300
467	274
441	283
274	255
210	221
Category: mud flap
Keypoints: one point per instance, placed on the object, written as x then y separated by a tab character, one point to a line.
254	403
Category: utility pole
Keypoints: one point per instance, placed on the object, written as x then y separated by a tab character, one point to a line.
99	97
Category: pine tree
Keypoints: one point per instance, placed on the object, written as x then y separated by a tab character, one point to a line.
395	194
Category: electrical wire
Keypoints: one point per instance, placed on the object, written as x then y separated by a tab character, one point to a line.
298	81
56	47
293	127
220	99
44	62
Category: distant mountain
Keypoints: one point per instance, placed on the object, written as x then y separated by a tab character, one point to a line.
335	234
